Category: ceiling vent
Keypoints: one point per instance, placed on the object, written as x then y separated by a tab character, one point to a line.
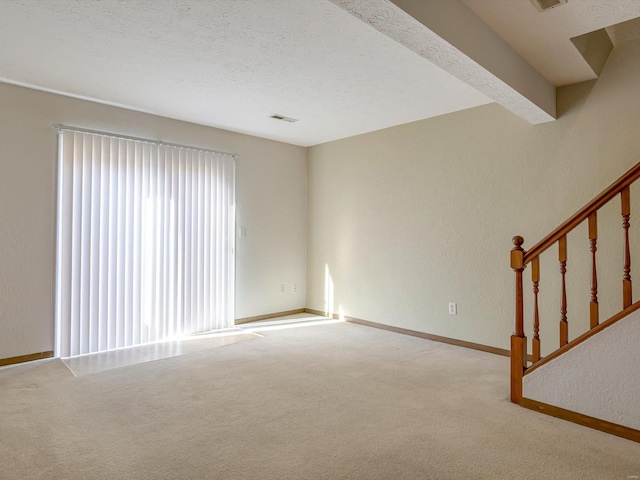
543	5
284	119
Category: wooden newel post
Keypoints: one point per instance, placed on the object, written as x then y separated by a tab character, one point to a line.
518	339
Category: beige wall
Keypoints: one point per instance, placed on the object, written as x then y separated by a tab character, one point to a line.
410	218
271	204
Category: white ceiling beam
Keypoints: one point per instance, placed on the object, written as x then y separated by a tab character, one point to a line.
451	36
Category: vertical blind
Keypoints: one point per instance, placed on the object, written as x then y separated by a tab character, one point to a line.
145	247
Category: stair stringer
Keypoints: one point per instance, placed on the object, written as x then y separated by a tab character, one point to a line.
599	378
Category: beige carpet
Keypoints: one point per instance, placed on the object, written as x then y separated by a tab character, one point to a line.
337	401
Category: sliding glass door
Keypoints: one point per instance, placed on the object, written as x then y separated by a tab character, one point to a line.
145	244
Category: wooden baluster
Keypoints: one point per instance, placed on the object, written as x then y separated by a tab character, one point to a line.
593	244
535	278
518	339
562	257
626	280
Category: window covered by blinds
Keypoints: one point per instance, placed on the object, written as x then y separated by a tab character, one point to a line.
145	248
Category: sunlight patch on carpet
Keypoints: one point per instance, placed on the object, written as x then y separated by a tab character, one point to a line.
124	357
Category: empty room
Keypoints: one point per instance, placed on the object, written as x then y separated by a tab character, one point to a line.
319	239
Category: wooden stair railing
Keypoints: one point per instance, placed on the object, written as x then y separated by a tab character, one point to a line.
521	258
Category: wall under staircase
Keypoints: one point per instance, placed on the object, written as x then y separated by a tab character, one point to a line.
598	377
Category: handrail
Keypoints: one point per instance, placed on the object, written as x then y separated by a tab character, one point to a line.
520	258
582	214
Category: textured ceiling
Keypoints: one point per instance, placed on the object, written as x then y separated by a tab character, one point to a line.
228	63
234	63
544	38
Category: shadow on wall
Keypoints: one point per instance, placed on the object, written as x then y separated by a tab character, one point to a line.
573	96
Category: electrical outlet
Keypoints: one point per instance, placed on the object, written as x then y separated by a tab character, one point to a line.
283	288
242	232
294	288
453	308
